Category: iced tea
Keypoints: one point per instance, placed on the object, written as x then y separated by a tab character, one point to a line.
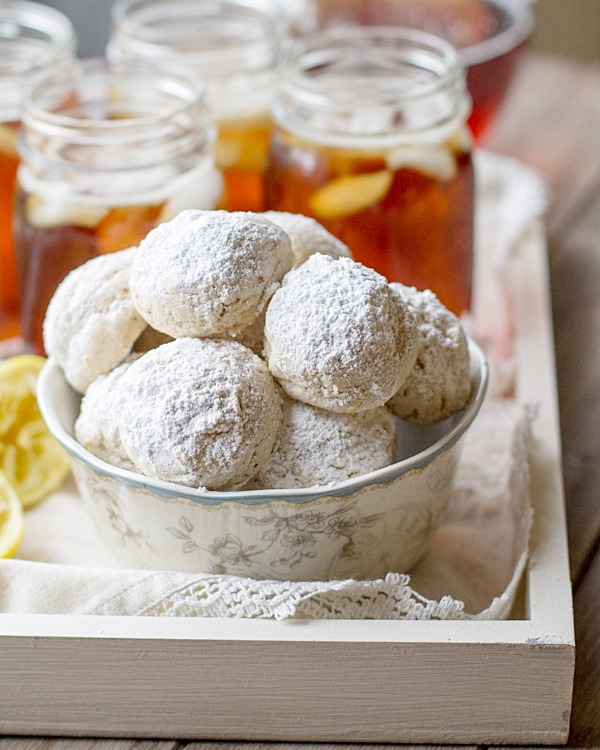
108	151
55	239
33	36
489	34
371	140
241	154
233	46
9	292
406	212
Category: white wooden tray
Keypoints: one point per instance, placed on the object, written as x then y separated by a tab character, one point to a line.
356	681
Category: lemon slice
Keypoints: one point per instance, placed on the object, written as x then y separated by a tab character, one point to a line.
12	523
34	463
347	195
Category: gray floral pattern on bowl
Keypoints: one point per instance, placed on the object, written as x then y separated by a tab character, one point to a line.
362	528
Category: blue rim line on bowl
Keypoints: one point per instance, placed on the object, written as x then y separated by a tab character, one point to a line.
258	497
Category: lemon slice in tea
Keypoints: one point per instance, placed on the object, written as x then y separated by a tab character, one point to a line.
350	194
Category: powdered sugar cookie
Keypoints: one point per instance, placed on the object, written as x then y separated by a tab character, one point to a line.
199	412
308	236
205	273
97	427
439	383
337	337
318	447
91	322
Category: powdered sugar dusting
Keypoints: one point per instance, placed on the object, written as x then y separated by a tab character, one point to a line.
91	322
206	273
319	447
337	337
439	383
97	426
199	412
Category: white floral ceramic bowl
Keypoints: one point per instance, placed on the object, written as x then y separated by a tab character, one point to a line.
361	528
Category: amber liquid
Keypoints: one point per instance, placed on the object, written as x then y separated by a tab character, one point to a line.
488	83
46	254
241	155
9	290
420	232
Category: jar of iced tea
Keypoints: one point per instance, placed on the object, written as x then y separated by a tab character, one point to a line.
489	35
32	36
233	45
108	151
371	140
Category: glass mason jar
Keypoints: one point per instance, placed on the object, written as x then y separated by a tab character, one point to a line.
490	36
107	152
371	140
32	36
233	45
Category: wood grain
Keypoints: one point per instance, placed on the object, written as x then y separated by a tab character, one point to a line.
585	722
52	743
552	122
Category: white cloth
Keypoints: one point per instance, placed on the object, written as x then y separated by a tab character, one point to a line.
471	570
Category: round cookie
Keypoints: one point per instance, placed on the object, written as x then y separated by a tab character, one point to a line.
318	447
308	236
206	273
91	322
97	427
439	383
199	412
337	337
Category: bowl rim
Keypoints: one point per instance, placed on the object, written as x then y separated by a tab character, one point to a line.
520	28
479	378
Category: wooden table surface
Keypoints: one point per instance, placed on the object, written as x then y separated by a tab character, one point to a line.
551	121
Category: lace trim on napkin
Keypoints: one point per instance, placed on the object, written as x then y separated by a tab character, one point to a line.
392	597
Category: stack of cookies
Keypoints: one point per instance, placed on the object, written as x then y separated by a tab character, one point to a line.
239	350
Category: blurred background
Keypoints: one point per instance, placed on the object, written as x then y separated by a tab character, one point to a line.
564	27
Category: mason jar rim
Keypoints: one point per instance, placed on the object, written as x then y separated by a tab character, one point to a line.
21	23
43	19
135	33
190	88
315	48
422	87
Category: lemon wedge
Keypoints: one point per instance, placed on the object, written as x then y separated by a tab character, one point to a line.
12	524
347	195
33	462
